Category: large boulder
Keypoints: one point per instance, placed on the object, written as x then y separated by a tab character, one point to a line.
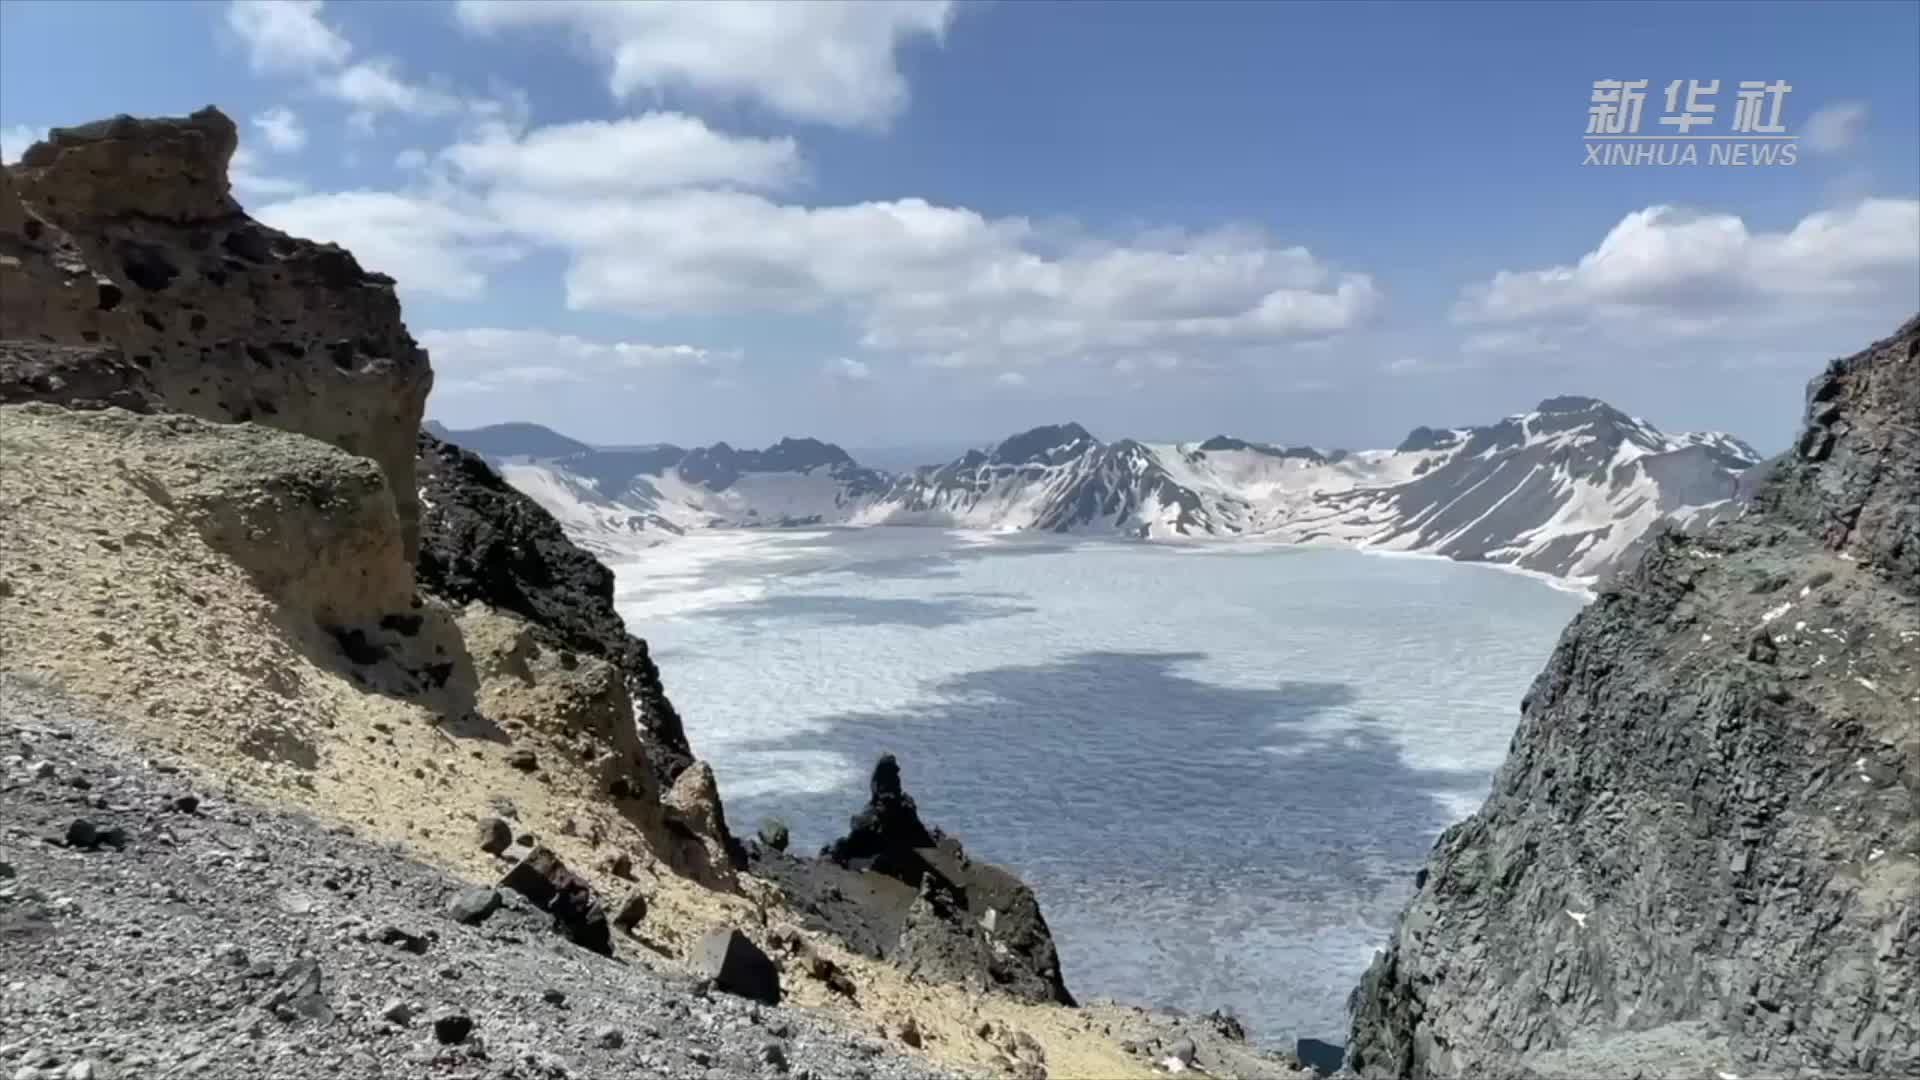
123	234
735	965
695	816
1702	854
544	880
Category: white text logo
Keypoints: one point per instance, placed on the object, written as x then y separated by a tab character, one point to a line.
1755	134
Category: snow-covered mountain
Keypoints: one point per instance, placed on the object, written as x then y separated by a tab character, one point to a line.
1564	490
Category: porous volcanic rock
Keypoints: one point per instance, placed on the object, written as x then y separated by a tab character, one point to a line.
78	377
1702	856
123	233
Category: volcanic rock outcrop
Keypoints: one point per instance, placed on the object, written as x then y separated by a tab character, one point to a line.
123	234
130	280
484	540
1702	855
894	889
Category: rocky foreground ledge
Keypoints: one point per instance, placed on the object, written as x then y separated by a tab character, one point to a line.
154	926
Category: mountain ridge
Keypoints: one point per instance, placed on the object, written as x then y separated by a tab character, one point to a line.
1564	489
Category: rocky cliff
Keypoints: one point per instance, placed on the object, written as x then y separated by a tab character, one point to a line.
1702	855
123	234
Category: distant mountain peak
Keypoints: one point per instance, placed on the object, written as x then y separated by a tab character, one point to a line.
1046	445
1571	403
513	439
1425	438
1220	443
792	453
1224	443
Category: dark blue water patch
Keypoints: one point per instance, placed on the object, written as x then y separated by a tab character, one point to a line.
1192	843
841	609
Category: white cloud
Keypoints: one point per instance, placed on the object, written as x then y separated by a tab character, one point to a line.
290	37
947	284
410	159
243	172
828	62
15	139
1010	378
849	369
375	86
487	359
649	152
1685	273
282	129
1836	128
286	35
427	246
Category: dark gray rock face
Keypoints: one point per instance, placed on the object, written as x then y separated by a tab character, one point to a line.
1702	855
894	889
483	540
1853	479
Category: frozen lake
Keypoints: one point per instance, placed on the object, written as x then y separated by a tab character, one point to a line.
1218	764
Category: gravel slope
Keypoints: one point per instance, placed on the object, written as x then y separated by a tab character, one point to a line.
231	940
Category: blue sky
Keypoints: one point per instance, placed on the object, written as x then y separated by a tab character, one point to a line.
891	224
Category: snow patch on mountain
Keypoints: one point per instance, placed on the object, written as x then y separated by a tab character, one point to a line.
1564	490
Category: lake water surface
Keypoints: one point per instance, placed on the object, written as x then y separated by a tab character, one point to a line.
1218	765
